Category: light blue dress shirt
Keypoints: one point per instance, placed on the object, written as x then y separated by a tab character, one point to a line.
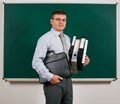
49	41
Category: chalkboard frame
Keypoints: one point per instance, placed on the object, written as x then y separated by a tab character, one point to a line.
71	37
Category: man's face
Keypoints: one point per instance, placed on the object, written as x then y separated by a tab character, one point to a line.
58	22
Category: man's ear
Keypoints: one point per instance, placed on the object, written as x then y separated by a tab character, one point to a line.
50	21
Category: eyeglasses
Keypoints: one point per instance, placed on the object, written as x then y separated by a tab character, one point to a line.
58	19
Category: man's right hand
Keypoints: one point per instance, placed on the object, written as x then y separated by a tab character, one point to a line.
55	79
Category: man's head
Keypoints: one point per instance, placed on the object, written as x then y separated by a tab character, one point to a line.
58	20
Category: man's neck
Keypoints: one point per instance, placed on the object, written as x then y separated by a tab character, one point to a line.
57	30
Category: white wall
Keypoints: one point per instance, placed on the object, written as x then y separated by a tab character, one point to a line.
84	93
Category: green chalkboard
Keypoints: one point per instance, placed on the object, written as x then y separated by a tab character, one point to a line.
25	23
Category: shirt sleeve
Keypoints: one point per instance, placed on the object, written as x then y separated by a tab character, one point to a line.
39	55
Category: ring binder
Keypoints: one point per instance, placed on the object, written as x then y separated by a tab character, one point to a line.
77	53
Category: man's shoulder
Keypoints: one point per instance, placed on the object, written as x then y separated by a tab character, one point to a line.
45	35
67	37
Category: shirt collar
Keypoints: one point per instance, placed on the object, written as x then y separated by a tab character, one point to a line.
56	33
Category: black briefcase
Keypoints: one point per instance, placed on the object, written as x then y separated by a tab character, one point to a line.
58	64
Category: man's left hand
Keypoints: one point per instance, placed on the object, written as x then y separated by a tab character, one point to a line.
87	60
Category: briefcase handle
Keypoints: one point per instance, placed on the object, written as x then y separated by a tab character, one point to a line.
50	52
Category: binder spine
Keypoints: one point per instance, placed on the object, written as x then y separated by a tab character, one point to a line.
75	51
84	51
72	48
74	55
73	41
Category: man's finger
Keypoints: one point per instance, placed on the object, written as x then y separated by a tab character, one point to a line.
60	78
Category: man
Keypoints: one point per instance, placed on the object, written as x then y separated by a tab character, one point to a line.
59	89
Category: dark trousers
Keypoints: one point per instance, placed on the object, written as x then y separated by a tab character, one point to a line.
61	93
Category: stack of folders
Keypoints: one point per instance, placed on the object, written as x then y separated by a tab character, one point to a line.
79	48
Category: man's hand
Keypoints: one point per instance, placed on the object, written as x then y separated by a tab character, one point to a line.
87	60
55	79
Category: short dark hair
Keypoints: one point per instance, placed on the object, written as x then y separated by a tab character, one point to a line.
58	12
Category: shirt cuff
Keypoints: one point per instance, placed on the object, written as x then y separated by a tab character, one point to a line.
50	75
